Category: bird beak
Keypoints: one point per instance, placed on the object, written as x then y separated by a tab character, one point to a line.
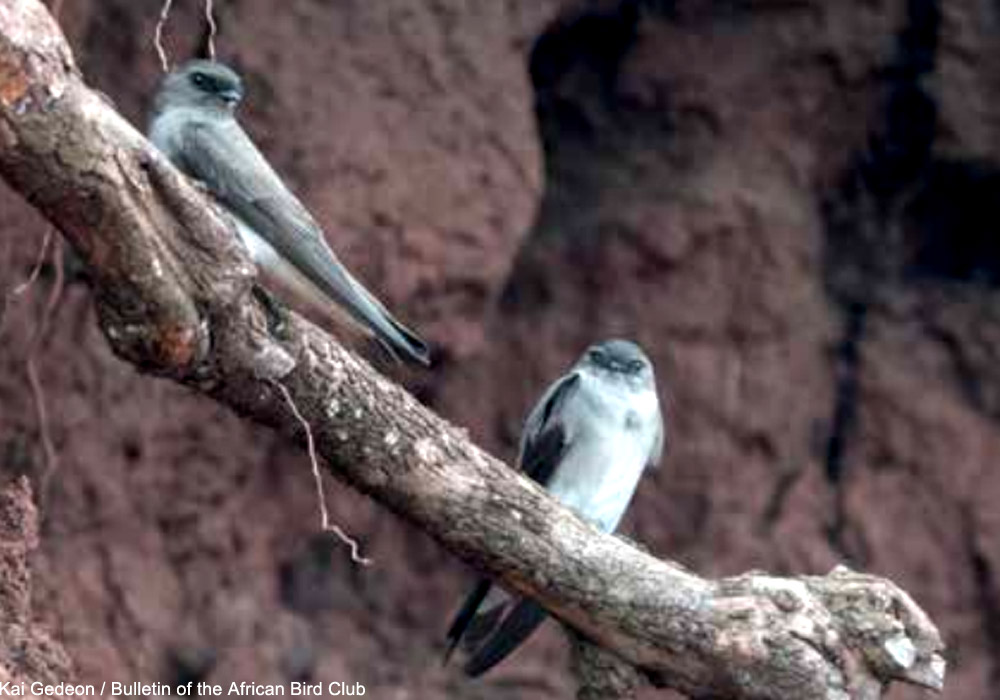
230	97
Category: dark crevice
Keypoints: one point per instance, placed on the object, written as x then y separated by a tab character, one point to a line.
987	586
845	403
583	115
898	155
589	127
588	46
775	507
968	377
847	370
950	225
866	253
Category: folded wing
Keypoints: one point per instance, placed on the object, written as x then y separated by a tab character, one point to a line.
221	155
491	632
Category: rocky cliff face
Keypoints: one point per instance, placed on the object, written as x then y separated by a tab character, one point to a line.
790	205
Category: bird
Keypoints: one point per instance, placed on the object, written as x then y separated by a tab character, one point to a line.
193	122
588	441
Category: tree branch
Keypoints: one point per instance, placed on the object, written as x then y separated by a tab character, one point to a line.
172	291
601	674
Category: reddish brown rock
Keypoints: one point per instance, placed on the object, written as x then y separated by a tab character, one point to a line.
790	205
27	652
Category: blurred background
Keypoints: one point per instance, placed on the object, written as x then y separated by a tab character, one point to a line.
790	205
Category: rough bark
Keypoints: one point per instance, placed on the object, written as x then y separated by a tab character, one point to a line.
600	674
172	290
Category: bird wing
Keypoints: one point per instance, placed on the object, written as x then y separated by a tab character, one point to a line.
546	436
659	443
493	635
220	154
524	619
467	614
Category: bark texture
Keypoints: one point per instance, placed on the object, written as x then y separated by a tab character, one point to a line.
724	191
600	673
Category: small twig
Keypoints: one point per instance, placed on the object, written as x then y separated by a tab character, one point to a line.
325	523
210	18
42	415
55	294
26	284
36	269
37	392
158	35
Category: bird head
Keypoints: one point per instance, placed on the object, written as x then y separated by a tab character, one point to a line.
620	357
202	84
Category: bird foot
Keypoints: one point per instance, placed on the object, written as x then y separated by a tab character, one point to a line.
276	314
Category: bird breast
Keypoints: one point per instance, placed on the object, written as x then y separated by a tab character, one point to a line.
611	432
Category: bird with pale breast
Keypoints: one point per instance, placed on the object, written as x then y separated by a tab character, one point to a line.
588	441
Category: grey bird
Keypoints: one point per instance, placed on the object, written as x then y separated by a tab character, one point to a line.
587	441
194	124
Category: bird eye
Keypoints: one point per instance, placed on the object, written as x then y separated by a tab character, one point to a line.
200	80
635	365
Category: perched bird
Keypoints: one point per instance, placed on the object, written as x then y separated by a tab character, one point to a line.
587	441
194	123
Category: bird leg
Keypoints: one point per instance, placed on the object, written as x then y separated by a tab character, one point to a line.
275	312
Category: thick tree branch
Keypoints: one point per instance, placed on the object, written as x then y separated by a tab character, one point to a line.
172	289
601	674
